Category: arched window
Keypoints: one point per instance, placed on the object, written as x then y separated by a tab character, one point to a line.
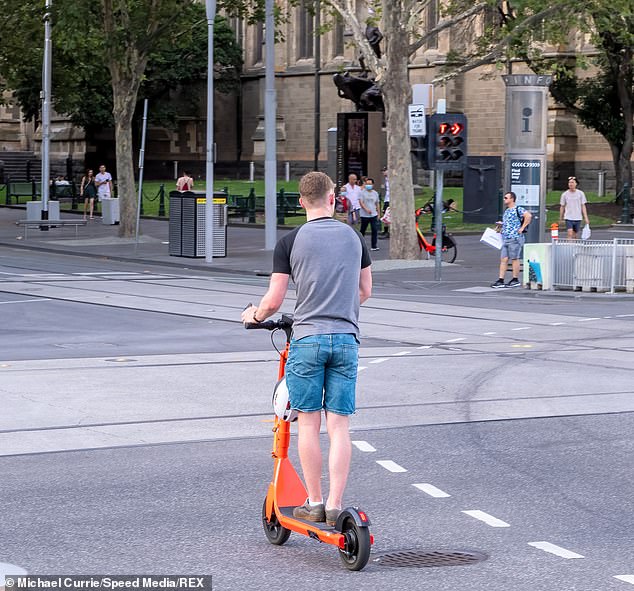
305	31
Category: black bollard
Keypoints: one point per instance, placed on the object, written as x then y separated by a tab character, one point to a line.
161	210
625	216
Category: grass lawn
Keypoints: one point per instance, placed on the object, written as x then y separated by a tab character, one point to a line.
152	189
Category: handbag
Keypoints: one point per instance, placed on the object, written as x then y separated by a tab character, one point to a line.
492	238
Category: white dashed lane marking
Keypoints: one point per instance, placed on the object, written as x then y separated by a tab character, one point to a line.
431	490
25	301
379	360
361	368
486	518
553	549
587	319
401	353
363	446
456	340
488	334
521	328
625	578
424	347
557	323
391	466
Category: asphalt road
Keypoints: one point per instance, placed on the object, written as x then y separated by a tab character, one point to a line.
135	431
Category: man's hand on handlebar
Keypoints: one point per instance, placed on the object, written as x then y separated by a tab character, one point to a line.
248	315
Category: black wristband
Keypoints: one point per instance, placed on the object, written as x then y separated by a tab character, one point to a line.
255	319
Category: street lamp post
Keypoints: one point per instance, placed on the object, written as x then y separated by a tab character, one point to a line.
46	111
270	154
209	170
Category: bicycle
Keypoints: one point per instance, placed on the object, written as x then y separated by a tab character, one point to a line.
449	249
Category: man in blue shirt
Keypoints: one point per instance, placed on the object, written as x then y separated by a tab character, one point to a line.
514	222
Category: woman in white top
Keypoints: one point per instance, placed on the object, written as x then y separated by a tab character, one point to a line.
573	208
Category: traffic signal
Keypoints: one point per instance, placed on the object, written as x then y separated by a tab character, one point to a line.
447	141
418	149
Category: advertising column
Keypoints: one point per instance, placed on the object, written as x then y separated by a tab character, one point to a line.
525	146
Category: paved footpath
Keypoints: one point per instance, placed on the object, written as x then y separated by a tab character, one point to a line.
475	267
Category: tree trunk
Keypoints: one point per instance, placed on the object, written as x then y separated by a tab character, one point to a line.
125	89
397	94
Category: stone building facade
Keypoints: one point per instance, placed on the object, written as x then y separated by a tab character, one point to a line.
239	121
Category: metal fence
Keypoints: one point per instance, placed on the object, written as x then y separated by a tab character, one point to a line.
593	265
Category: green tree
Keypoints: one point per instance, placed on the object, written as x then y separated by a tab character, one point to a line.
106	55
497	31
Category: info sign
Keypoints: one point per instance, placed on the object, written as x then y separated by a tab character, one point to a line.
525	181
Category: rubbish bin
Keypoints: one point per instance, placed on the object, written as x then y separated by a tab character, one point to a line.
109	211
187	224
34	210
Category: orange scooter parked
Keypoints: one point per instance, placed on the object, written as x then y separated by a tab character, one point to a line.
351	533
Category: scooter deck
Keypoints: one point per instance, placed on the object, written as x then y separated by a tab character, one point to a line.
322	525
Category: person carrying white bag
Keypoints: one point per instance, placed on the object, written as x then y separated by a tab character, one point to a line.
514	223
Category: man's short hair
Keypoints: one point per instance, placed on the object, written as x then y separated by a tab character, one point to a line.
315	187
512	195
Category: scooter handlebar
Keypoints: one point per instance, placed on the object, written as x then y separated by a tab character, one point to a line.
284	323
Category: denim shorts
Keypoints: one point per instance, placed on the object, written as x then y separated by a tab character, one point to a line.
512	247
573	225
321	372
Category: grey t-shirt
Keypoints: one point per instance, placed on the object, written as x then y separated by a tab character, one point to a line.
324	257
371	201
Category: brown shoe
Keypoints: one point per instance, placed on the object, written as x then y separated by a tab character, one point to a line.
331	516
305	511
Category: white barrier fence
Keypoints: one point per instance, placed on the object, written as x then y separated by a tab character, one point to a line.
593	265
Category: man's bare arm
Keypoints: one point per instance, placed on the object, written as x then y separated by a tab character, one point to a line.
365	284
270	302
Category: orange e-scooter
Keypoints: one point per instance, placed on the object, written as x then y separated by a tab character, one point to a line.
351	533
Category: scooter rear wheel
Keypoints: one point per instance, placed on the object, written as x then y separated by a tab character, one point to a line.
275	533
356	552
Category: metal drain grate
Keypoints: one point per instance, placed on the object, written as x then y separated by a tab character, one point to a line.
427	558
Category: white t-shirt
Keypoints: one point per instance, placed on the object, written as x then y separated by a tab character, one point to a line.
103	190
386	197
572	202
353	192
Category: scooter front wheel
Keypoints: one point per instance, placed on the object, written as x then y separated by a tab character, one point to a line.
275	533
356	551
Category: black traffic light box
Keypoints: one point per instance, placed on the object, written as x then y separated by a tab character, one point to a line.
447	141
418	149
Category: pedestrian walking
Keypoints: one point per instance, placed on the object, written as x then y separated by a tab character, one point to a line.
369	203
572	208
514	222
330	266
353	192
386	203
103	182
88	192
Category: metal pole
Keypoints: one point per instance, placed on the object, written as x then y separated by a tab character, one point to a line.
209	170
441	108
440	176
47	68
270	156
317	83
141	162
